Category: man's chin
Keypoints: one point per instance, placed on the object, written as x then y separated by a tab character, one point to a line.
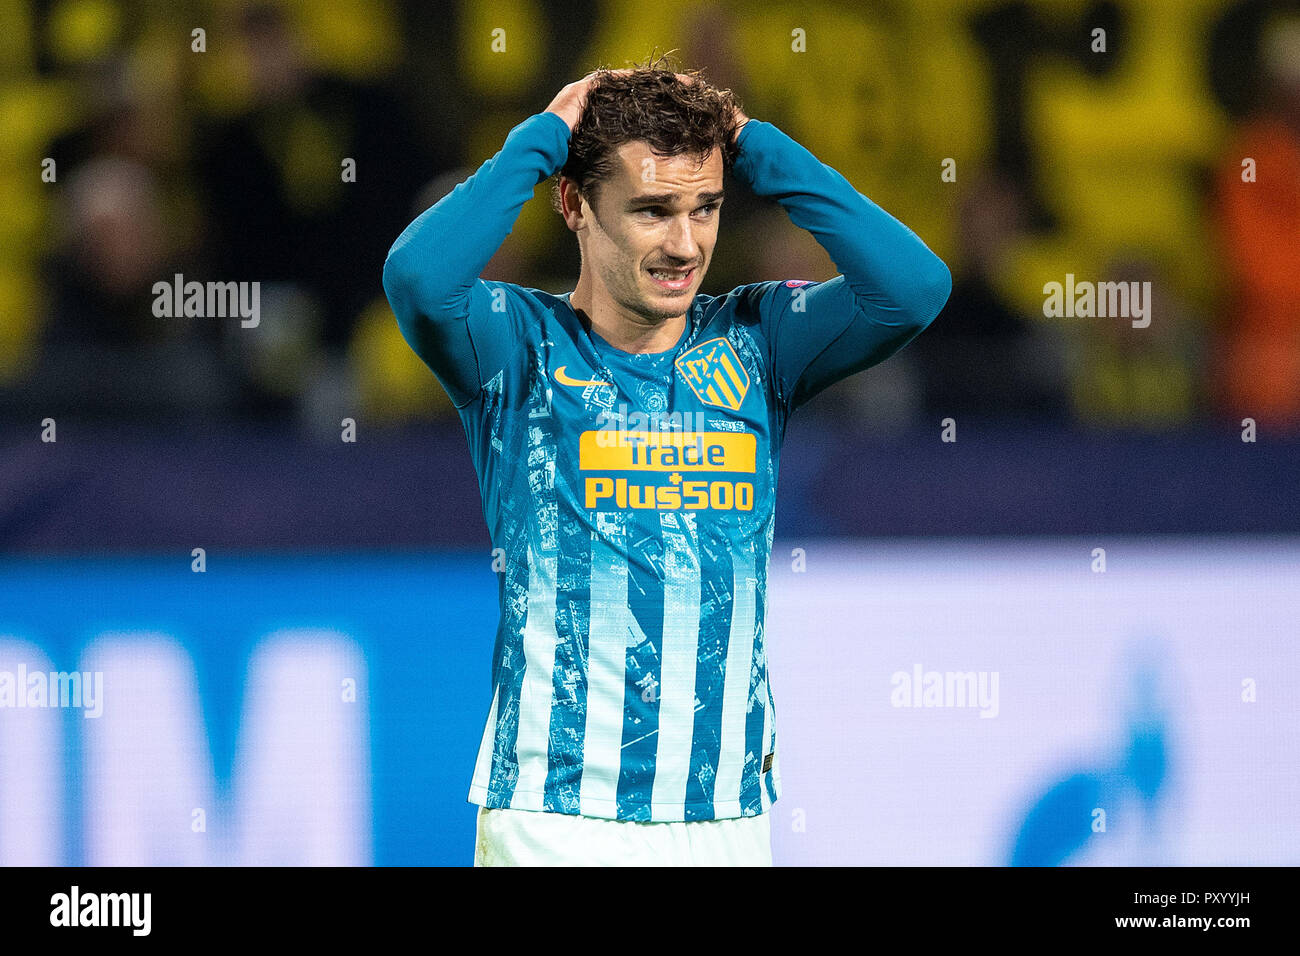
666	306
670	302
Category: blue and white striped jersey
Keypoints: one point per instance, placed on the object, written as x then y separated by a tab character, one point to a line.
632	496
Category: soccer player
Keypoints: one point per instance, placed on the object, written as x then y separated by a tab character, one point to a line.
626	437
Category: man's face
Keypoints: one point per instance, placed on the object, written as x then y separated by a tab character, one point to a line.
653	213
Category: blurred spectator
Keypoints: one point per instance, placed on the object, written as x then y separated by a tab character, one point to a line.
105	352
132	109
278	201
1147	377
118	245
1259	221
982	357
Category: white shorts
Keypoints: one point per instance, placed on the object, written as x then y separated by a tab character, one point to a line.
536	838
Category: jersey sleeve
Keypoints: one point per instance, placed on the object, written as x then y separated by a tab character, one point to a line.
890	288
818	334
465	329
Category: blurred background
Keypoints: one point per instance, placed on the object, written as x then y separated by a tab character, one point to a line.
324	474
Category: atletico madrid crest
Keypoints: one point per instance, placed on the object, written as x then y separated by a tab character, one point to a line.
715	373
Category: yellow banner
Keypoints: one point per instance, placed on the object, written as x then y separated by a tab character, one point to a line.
615	450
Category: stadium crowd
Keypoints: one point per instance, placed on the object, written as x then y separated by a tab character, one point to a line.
289	143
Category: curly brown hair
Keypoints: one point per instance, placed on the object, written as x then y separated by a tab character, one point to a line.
650	103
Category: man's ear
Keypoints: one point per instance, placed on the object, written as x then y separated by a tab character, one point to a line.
571	204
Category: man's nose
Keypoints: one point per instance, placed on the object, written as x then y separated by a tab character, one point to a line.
680	242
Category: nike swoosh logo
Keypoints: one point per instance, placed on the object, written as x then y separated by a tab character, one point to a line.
565	380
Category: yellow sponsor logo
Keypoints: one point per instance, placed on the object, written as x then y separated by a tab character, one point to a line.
601	492
715	374
673	453
617	450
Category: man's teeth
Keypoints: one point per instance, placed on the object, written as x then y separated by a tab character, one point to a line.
669	276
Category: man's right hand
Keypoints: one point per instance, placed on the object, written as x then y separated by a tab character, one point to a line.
570	101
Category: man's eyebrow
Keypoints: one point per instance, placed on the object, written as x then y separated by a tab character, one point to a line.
666	199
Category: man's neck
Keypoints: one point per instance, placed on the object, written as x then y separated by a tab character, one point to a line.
622	329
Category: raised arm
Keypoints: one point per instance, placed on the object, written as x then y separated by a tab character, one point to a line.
431	274
890	288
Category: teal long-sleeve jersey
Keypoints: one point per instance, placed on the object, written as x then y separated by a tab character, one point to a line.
632	496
